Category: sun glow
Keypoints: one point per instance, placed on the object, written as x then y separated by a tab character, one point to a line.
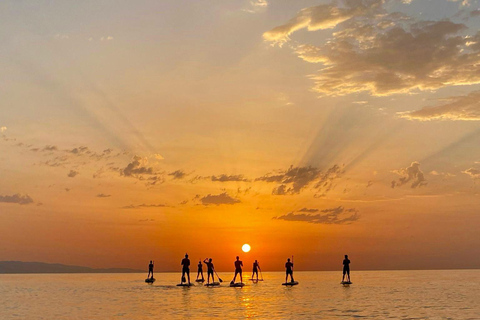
246	247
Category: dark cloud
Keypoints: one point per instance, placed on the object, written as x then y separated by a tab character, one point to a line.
457	108
178	174
103	195
72	173
141	206
227	178
16	198
80	150
137	167
383	53
50	148
338	215
219	199
292	180
295	179
411	174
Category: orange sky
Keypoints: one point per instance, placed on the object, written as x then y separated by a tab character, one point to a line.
307	128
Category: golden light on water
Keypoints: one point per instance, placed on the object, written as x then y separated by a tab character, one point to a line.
246	247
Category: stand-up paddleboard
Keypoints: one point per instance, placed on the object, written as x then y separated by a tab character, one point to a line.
346	282
150	280
185	285
213	284
237	285
200	280
291	283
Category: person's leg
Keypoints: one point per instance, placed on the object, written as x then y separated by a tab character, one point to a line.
348	274
235	277
241	277
286	277
188	274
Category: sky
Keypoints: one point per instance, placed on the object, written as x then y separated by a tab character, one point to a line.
143	130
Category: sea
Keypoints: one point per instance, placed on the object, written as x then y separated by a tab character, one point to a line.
439	294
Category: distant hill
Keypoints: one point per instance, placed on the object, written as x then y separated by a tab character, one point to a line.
40	267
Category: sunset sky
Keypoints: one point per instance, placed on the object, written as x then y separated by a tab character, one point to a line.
140	130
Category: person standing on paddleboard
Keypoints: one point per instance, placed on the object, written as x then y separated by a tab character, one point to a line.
238	270
256	267
186	268
346	268
150	269
210	269
200	269
289	270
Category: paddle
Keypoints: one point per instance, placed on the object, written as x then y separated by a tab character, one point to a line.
261	274
219	279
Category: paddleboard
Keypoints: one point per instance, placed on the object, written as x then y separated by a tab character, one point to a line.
291	283
213	284
238	284
346	282
200	280
150	280
185	285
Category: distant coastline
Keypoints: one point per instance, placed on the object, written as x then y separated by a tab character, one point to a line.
20	267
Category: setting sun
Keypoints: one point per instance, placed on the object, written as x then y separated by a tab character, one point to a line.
246	247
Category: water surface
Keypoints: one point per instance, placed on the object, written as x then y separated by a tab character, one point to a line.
452	294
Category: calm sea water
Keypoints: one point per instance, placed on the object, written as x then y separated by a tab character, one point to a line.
452	294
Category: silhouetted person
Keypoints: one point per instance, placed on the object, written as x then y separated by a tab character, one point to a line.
346	268
186	268
238	269
200	269
210	269
256	267
150	269
289	270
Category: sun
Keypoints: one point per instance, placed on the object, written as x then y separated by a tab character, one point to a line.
246	247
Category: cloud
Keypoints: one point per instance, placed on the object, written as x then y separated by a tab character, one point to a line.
219	199
458	108
383	53
103	195
178	174
72	173
325	16
411	174
80	150
473	173
308	210
292	180
16	198
50	148
295	179
338	215
256	6
137	167
140	206
228	178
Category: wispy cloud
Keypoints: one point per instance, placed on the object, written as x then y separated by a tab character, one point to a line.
338	215
103	195
458	108
142	206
